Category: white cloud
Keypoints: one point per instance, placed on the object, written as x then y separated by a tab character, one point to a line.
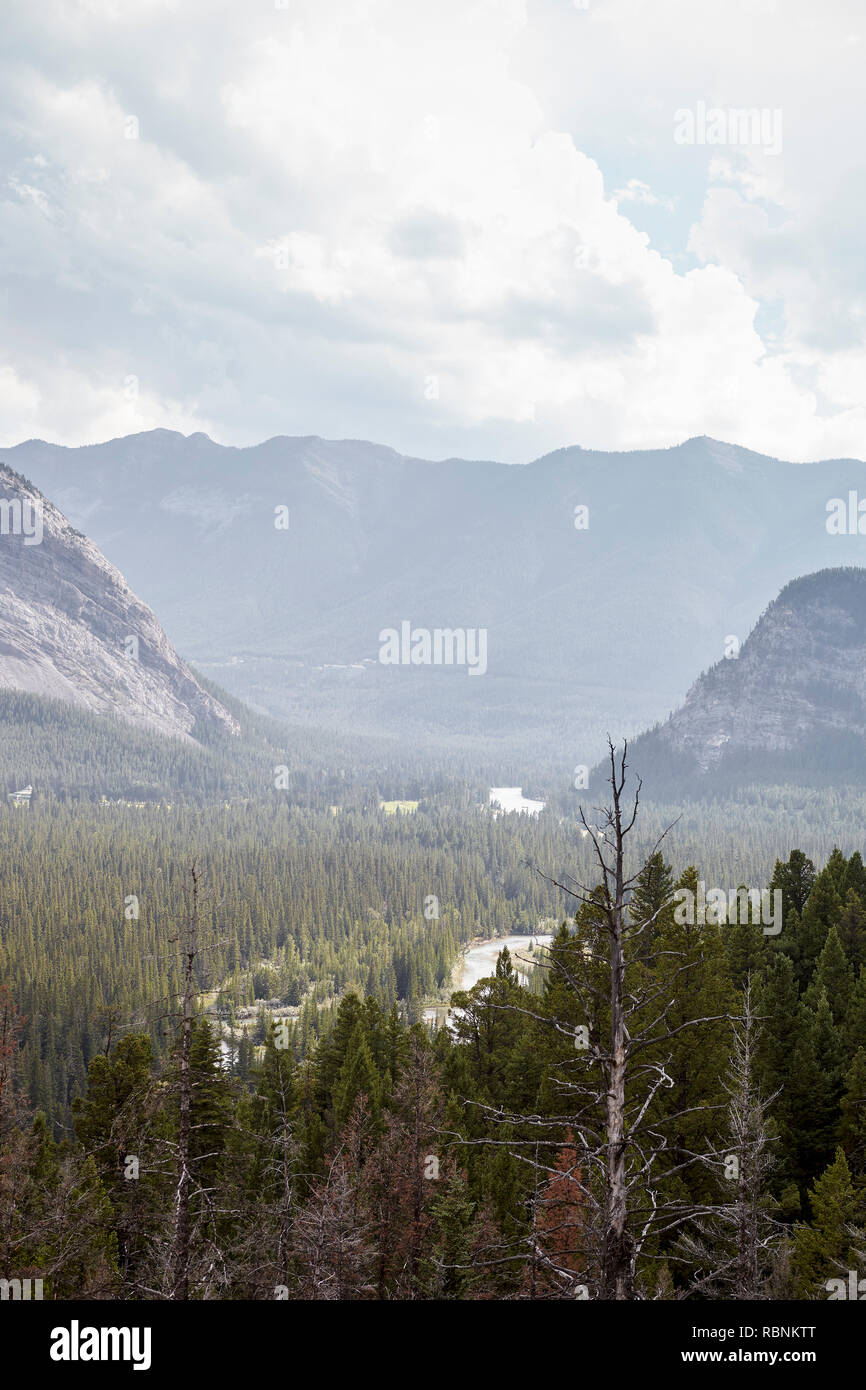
328	206
19	404
636	191
69	405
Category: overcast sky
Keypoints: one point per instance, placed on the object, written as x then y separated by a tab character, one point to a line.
452	227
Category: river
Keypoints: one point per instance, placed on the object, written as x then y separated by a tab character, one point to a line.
480	961
477	963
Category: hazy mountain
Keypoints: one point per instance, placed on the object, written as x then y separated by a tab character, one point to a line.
71	629
587	629
791	707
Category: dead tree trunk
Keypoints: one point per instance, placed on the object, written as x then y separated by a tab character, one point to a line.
614	1082
617	1259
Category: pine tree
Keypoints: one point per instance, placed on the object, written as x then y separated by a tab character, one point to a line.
113	1126
854	880
358	1077
823	911
855	1023
652	899
695	981
852	927
458	1233
745	949
795	879
852	1132
825	1248
833	977
784	1036
264	1169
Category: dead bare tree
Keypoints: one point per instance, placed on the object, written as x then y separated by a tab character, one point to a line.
332	1231
732	1245
264	1176
623	985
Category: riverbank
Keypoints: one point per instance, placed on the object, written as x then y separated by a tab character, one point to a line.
478	961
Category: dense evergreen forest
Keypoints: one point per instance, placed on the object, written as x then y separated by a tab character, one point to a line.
304	907
335	1145
347	1151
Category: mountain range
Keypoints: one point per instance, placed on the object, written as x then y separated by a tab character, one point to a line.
602	582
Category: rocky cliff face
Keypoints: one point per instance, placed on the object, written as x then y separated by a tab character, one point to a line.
797	686
71	628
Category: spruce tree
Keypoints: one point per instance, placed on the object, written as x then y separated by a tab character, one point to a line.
825	1248
795	878
852	1131
833	977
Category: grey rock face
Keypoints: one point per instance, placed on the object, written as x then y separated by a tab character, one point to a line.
800	675
72	629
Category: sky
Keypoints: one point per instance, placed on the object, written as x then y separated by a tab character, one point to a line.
485	230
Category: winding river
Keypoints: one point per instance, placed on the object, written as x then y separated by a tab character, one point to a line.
477	963
480	961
